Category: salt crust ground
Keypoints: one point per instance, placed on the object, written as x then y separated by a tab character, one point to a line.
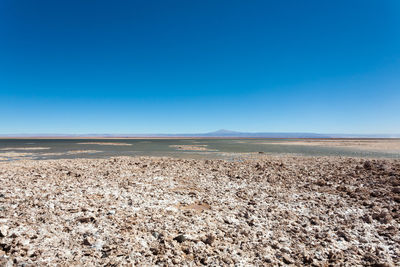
389	146
267	211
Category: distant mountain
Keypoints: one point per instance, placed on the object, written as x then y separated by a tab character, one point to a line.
223	131
217	134
227	133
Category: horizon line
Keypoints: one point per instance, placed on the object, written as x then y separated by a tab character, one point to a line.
216	134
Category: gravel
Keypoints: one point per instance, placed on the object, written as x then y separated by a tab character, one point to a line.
265	211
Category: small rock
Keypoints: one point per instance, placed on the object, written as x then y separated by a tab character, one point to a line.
307	259
88	241
209	240
203	261
314	221
155	251
86	220
6	262
362	240
366	218
5	247
285	250
180	238
111	212
375	193
267	259
287	260
396	190
3	231
367	165
369	258
383	217
380	264
343	235
155	234
334	256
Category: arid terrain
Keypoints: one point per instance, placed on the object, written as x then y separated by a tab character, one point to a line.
105	144
387	145
191	147
263	211
195	148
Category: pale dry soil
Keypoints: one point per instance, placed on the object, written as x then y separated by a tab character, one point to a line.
192	147
266	211
24	148
392	146
105	144
6	156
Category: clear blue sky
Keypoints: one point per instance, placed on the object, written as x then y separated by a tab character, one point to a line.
197	66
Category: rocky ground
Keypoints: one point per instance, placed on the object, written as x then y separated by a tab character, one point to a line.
267	211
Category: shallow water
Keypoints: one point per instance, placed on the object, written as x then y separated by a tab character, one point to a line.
12	149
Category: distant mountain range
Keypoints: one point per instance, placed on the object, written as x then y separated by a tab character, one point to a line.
217	134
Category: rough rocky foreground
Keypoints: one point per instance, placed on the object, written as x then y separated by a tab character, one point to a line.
160	211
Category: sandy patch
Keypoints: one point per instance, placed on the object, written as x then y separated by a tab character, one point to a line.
192	147
73	152
28	155
195	206
16	154
24	148
105	144
373	145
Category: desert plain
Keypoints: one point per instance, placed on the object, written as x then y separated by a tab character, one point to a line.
157	211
